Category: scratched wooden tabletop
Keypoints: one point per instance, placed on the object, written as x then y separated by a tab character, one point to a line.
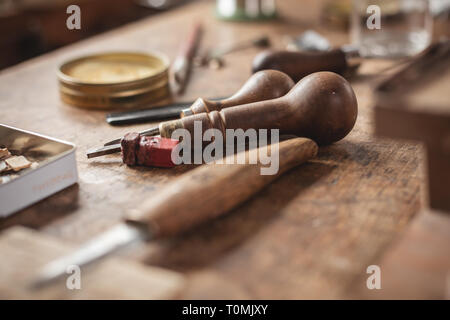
310	234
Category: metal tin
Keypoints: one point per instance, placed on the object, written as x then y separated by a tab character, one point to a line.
56	168
114	80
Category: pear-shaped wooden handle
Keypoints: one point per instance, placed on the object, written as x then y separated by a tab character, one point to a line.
264	85
300	64
213	189
321	106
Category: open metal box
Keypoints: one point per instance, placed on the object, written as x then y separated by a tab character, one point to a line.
56	168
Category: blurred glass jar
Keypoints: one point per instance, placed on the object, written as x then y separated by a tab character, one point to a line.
246	9
391	28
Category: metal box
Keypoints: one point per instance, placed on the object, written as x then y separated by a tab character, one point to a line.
56	168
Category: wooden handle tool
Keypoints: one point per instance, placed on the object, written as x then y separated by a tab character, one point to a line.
212	190
264	85
182	64
322	106
300	64
196	197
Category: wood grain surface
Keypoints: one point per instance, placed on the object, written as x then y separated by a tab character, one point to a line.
27	251
310	234
417	265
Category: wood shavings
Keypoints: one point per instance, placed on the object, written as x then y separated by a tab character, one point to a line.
18	163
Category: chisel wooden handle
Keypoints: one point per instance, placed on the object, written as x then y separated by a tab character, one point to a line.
300	64
213	189
264	85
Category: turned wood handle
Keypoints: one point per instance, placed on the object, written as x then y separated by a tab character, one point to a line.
264	85
321	106
300	64
213	189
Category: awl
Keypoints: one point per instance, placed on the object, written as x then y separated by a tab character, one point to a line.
264	85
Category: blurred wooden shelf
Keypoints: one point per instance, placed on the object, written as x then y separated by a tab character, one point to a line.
36	27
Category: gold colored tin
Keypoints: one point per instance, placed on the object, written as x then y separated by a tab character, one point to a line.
114	80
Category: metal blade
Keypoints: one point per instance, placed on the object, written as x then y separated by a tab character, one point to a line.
149	132
103	151
148	115
108	242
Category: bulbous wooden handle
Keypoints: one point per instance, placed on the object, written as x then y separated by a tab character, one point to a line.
214	189
300	64
263	85
322	107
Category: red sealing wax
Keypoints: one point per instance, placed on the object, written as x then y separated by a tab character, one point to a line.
155	151
130	145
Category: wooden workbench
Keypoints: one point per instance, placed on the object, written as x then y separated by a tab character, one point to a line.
311	234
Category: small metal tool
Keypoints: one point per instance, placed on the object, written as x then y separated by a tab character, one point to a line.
147	115
215	56
168	111
103	151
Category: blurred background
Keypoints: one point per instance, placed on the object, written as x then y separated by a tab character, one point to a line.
29	28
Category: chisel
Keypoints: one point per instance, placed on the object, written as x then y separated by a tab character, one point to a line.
202	194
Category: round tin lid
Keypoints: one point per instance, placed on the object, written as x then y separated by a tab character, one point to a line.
94	80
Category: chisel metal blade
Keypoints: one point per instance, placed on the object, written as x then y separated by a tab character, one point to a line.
111	241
